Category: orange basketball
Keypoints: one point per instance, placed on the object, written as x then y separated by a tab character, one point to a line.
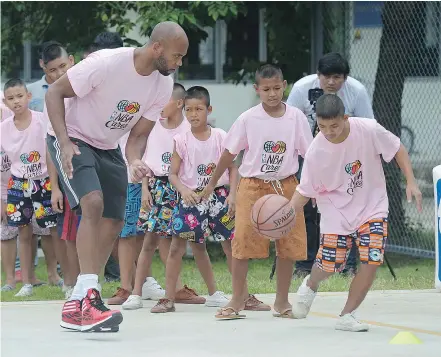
272	216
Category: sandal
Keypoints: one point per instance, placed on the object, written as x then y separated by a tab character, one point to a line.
163	306
254	304
234	315
285	314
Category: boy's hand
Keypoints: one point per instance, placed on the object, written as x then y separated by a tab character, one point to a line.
4	207
231	202
146	199
207	191
413	190
190	197
56	200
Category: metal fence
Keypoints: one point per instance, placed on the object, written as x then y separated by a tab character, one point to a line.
394	50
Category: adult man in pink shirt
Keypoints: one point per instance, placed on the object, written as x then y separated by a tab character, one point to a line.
113	91
343	172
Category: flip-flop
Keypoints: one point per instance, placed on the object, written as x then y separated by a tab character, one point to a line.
233	316
285	314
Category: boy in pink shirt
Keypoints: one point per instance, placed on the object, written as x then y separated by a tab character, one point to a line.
159	200
344	174
29	188
112	91
272	135
195	154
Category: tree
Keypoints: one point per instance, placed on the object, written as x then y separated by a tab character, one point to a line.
75	24
398	49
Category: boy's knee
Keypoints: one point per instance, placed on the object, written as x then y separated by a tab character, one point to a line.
177	249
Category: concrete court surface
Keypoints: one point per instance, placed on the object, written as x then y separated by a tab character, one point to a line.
31	329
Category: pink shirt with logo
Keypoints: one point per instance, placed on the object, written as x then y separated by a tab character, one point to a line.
347	179
272	145
111	97
160	147
26	148
5	113
199	158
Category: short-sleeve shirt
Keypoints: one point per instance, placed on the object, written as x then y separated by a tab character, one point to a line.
347	179
111	97
271	145
200	158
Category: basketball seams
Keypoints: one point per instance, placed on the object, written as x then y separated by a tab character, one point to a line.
280	208
258	213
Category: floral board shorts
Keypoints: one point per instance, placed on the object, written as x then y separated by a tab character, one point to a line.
206	219
370	238
165	204
26	197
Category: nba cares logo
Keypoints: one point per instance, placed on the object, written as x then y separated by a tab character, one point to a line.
274	148
353	167
206	170
126	106
32	157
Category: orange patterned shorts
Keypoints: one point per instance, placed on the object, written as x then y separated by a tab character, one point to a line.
370	238
247	243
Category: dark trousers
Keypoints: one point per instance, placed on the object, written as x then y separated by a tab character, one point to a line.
312	220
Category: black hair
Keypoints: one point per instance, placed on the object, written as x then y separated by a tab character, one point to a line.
268	71
179	91
14	82
333	63
107	40
329	106
198	92
51	50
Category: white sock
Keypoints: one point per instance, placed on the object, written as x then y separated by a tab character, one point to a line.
77	293
88	281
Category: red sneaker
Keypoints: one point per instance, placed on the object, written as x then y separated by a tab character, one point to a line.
71	315
96	316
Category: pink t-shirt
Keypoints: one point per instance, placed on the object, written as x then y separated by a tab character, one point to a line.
26	148
160	147
5	174
111	97
347	179
199	158
272	145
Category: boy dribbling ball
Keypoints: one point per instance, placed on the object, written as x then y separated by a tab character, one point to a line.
343	172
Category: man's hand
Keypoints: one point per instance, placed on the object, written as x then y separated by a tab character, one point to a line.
68	150
146	199
231	202
207	191
4	207
413	190
138	170
190	197
56	200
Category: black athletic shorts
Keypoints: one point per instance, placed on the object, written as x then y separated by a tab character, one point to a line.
94	170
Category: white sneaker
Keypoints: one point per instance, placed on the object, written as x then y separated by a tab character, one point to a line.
349	323
133	302
151	290
218	299
305	298
68	290
26	290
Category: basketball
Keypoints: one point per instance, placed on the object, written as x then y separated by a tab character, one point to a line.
272	216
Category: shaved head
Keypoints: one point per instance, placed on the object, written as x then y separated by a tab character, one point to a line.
166	31
169	44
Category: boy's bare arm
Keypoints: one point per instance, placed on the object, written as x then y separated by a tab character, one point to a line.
298	201
403	161
56	194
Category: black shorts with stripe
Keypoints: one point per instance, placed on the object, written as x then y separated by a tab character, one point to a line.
93	170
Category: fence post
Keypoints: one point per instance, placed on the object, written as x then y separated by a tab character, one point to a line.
437	189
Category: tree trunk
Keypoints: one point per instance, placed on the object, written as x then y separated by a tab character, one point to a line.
397	50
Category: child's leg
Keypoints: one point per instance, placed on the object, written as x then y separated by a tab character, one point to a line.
173	268
60	251
360	286
126	255
9	253
226	246
47	245
284	272
25	247
204	265
164	249
143	268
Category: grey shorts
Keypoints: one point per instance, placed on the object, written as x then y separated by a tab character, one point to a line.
94	170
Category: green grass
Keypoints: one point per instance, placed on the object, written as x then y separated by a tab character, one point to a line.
412	273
